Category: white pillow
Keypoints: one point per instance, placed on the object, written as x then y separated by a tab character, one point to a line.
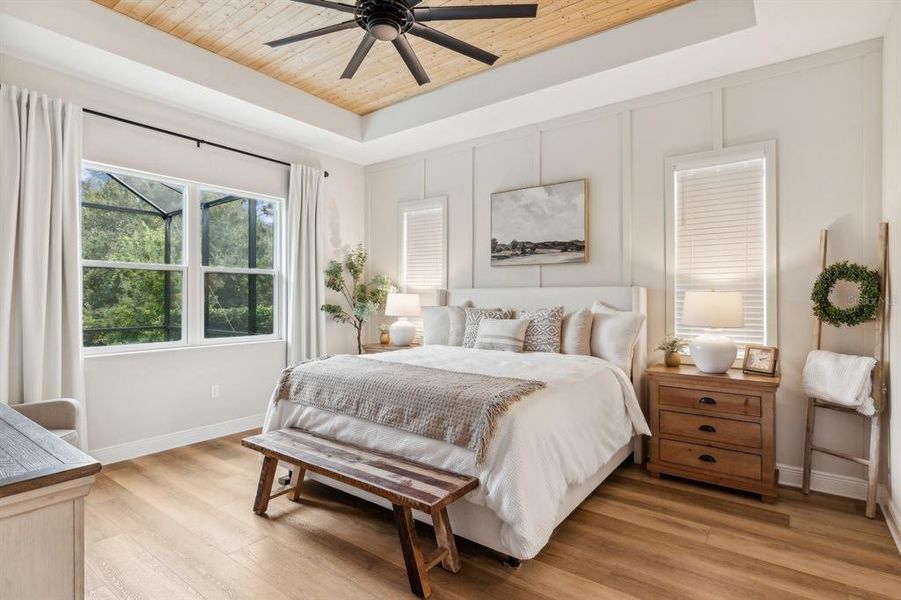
613	333
576	333
443	325
502	334
474	316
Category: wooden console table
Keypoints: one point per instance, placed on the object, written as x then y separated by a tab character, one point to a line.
43	482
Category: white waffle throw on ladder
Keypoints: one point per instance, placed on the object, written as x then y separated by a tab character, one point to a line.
840	379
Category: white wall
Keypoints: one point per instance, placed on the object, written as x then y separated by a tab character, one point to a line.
891	210
135	396
824	113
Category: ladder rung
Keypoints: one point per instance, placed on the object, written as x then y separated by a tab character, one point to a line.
860	461
830	406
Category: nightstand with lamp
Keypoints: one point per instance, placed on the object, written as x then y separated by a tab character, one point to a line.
403	306
709	422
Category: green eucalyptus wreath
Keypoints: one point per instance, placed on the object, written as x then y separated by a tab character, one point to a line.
863	311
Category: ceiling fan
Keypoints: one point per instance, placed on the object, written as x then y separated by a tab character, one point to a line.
391	20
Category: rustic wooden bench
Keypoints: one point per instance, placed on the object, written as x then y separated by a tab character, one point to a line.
407	485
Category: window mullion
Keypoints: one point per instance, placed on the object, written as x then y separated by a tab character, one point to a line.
195	300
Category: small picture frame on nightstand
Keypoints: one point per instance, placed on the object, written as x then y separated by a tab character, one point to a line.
760	360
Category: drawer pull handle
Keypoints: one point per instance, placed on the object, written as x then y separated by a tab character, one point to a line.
707	400
707	458
707	428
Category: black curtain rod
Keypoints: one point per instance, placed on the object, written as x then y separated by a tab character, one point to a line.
197	141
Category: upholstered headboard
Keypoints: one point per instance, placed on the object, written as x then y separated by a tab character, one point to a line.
571	298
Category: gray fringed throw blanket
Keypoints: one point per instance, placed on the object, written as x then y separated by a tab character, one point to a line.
459	408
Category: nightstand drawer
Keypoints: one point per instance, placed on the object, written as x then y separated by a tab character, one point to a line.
715	460
710	401
701	427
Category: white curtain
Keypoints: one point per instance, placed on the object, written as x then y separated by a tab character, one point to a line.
306	287
40	276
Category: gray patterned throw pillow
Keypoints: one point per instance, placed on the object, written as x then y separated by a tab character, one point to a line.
474	317
543	334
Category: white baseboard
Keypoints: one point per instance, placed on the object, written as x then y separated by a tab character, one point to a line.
829	483
892	513
129	450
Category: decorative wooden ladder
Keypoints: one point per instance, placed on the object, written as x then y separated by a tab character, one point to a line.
879	387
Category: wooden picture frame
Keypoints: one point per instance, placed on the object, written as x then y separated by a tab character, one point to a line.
512	242
760	360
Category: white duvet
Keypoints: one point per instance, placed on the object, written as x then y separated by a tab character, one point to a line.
554	438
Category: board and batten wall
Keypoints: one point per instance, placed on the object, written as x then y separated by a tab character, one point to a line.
822	110
146	401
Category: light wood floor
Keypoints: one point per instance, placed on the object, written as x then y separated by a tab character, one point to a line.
179	525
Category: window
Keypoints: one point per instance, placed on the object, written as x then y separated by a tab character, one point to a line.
146	281
238	244
423	245
132	259
721	215
423	251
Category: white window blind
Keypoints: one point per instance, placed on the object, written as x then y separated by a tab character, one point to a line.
720	240
423	246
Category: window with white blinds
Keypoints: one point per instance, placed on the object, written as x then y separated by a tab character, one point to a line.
423	245
720	238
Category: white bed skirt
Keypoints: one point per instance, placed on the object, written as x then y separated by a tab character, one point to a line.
478	523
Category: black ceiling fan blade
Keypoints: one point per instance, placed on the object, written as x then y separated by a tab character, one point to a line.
412	3
493	11
311	34
452	43
357	59
406	53
348	8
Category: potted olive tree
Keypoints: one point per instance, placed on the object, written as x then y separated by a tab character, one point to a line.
363	299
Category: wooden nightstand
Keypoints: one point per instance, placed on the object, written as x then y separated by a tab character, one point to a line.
714	428
376	348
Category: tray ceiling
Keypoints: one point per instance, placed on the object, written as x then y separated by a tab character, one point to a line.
237	30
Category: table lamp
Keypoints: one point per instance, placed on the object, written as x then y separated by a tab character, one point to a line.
402	331
712	351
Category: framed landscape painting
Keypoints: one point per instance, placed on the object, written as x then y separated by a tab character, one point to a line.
543	225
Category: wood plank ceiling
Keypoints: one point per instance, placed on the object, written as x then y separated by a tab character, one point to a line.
237	29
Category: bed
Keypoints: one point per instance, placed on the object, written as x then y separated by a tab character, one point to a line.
550	450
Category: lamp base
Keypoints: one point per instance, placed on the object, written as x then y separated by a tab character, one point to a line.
713	353
402	332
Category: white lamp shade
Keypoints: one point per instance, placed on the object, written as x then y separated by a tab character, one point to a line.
713	309
402	305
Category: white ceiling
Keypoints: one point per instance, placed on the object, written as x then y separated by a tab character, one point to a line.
695	42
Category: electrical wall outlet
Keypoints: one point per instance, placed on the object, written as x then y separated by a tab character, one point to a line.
214	390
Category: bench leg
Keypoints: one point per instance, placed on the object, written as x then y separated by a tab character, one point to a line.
445	537
264	487
416	571
298	484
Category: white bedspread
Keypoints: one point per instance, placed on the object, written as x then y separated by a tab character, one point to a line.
553	438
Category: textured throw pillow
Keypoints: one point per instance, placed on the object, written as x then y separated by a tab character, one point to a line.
443	325
543	334
576	335
507	335
474	315
613	333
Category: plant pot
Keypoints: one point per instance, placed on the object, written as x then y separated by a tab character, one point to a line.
672	359
384	339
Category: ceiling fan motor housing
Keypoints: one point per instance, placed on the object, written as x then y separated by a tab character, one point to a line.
384	19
